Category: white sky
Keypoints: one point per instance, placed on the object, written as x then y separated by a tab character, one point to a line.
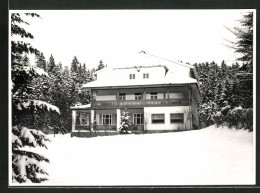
114	35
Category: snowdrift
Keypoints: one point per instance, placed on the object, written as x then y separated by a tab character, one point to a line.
210	156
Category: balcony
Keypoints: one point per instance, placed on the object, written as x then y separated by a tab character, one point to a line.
140	103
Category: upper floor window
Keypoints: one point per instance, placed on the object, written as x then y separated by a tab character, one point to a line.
131	76
138	96
122	96
153	95
145	75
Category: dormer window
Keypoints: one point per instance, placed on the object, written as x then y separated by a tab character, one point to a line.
131	76
145	75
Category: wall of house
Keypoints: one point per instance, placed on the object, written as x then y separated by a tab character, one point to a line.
154	73
123	73
105	97
167	125
194	106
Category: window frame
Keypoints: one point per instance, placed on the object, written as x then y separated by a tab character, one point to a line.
122	96
131	76
145	75
152	118
138	96
141	117
109	118
79	118
177	122
153	95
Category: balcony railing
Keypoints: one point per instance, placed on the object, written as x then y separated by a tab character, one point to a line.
82	127
108	127
142	103
105	127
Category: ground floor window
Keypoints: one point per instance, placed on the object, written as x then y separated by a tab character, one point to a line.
177	118
82	118
107	119
138	119
157	118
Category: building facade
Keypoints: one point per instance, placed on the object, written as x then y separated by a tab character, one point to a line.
159	95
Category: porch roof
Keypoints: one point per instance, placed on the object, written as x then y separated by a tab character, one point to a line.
87	107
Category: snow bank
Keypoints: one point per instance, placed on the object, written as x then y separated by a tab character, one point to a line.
210	156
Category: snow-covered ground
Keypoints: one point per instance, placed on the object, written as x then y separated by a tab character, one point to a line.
210	156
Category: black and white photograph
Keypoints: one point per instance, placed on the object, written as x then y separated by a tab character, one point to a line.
132	97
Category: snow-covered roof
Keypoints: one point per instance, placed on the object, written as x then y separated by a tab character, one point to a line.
139	61
144	82
136	67
81	106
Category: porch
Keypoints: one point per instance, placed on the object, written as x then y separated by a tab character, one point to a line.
87	122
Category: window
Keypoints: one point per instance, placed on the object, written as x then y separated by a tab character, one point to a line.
131	76
157	118
107	119
122	96
138	119
145	75
153	95
177	118
138	96
82	118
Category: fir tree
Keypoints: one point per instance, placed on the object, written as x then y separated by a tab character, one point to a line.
20	47
125	123
25	165
101	65
41	61
25	60
51	64
244	41
74	65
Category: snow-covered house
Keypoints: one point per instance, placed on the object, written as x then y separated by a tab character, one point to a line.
160	96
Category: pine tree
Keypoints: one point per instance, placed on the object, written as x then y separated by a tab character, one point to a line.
51	64
92	74
74	65
41	61
218	97
66	72
85	74
80	74
20	47
244	41
101	65
25	165
125	123
25	60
